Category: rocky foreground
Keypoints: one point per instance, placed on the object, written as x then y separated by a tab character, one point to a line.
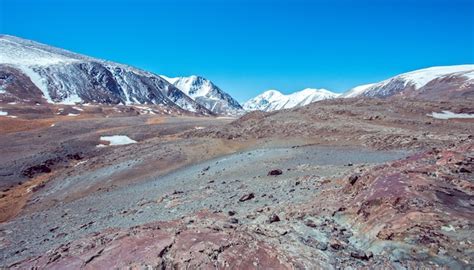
336	184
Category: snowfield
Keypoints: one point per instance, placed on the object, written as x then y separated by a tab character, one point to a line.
450	115
116	140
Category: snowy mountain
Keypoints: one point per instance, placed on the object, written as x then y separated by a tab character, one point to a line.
41	73
206	93
272	100
435	83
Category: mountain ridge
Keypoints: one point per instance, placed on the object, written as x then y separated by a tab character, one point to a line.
62	76
272	100
438	82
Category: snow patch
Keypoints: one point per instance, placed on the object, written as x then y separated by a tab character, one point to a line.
38	81
72	114
71	100
2	113
116	140
450	115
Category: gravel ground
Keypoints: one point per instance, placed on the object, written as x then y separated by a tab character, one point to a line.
219	184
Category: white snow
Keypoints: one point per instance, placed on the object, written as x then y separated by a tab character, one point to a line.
15	52
72	114
421	77
272	100
2	91
71	100
169	79
37	80
78	109
116	140
357	91
2	113
449	228
450	115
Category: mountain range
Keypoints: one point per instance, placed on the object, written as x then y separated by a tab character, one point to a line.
39	73
34	72
273	100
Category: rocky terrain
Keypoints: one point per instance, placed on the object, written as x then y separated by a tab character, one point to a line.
341	183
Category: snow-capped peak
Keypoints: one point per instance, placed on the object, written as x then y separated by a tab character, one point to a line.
206	93
272	100
415	80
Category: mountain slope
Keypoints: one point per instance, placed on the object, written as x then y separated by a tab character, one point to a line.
435	83
273	100
206	93
37	72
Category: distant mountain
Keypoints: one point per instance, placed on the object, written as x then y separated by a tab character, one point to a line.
273	100
435	83
206	93
41	73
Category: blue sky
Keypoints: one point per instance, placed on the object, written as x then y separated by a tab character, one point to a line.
247	46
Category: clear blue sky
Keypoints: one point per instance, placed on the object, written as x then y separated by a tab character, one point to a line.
247	46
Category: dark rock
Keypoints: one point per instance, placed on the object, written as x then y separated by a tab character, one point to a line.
353	179
310	223
233	220
310	241
231	213
273	218
275	172
247	197
31	171
361	255
336	244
